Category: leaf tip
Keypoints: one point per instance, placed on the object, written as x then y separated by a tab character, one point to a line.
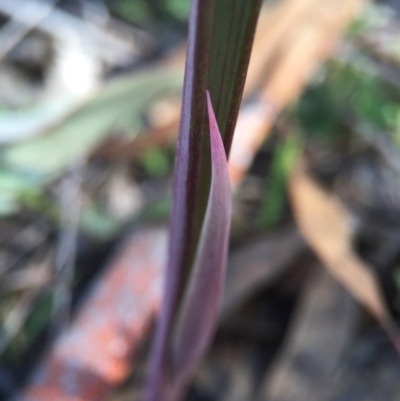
214	130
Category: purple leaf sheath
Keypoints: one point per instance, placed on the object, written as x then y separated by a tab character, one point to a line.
198	311
198	314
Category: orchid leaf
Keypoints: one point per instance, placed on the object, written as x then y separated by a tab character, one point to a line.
220	39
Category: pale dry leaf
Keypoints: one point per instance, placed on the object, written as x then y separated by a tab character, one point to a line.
292	38
326	225
274	25
309	40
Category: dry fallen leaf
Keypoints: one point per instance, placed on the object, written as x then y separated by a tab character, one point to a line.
326	225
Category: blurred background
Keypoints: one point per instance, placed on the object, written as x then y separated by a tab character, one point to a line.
89	109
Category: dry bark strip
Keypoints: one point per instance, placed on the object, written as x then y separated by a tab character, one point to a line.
94	354
320	334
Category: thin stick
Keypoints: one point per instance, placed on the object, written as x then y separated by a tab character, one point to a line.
66	250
